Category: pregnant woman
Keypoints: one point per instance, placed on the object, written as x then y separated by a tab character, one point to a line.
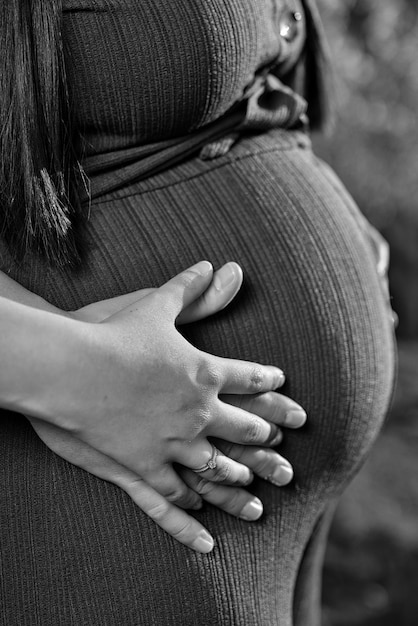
138	138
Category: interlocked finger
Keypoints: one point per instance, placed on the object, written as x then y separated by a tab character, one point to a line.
244	377
264	462
180	525
173	520
232	500
271	406
212	465
167	483
239	426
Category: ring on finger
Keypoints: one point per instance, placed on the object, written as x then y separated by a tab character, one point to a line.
211	464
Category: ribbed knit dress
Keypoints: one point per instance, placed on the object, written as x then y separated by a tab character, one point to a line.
195	147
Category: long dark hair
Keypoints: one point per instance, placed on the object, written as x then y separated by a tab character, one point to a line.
38	171
39	174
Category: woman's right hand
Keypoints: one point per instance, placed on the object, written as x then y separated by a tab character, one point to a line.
143	398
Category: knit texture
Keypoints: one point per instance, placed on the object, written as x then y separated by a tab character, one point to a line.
74	550
145	71
154	83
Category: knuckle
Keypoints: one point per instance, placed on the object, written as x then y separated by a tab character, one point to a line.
256	378
184	532
235	501
208	375
132	486
253	431
158	512
264	466
273	411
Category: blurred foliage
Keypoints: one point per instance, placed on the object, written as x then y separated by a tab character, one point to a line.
371	565
371	569
374	146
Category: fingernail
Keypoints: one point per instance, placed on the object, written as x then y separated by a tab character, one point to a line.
281	475
252	510
203	542
295	418
197	505
203	268
224	277
281	378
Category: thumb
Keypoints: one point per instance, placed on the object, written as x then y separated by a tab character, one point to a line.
179	292
224	287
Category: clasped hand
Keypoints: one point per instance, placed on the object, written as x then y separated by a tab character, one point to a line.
143	399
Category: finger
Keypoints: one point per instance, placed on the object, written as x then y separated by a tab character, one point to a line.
238	426
265	463
232	500
384	258
271	406
381	249
173	520
90	313
245	377
179	292
168	484
214	466
223	288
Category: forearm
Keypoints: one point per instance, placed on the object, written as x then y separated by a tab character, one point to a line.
12	290
38	348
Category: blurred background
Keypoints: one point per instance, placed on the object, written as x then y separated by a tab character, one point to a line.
371	569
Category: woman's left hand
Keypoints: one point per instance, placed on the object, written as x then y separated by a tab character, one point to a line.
236	501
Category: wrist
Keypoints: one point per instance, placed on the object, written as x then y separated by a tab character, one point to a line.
41	350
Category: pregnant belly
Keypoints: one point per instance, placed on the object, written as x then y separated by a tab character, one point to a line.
311	302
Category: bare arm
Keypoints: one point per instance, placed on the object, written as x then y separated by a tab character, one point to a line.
43	350
12	290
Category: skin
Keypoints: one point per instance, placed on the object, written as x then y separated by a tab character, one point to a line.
132	397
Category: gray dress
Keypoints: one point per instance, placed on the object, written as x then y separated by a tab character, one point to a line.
195	145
